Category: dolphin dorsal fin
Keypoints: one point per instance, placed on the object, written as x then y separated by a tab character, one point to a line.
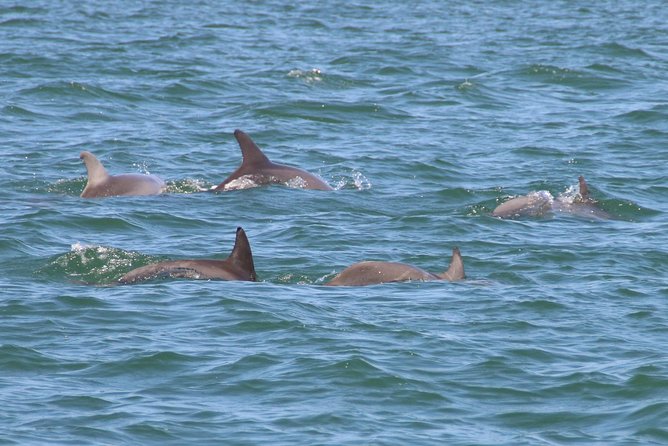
96	171
584	190
241	255
251	153
456	269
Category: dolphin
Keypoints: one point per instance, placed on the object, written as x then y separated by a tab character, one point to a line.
101	184
238	266
257	170
530	205
372	273
539	203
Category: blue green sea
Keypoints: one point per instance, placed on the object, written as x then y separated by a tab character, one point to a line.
423	116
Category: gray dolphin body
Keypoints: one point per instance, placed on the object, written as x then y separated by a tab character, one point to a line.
372	273
101	184
238	266
539	203
257	170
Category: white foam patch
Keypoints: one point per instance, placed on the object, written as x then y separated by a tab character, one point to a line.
570	195
297	183
188	185
361	182
357	180
310	76
540	202
244	182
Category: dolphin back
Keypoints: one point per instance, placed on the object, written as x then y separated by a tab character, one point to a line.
257	170
238	266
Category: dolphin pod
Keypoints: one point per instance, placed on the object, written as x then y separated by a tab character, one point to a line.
372	273
257	170
238	266
101	184
536	204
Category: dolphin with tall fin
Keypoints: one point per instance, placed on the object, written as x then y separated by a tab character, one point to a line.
238	266
257	170
372	273
101	184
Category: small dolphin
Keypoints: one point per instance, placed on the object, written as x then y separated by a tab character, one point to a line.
372	273
532	205
257	170
539	203
101	184
238	266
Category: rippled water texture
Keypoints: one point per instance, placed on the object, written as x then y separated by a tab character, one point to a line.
423	117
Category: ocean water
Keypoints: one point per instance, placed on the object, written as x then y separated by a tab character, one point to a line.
424	117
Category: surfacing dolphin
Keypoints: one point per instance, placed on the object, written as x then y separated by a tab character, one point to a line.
536	204
101	184
238	266
372	273
257	170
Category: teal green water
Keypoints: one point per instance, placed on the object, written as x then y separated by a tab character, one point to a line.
424	117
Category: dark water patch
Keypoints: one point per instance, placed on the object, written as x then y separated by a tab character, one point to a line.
148	366
24	360
605	68
650	414
152	431
81	402
21	9
575	422
21	23
263	323
232	26
22	112
655	115
616	50
584	79
654	433
77	90
543	306
89	117
625	210
645	383
247	366
330	112
79	302
536	152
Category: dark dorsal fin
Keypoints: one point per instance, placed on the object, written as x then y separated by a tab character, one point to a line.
251	153
456	269
584	190
241	255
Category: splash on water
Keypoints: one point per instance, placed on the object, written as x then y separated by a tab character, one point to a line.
356	180
94	263
244	182
188	186
309	76
297	183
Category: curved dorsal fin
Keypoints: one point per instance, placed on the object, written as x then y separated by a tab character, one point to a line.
456	269
241	255
584	190
251	153
96	171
